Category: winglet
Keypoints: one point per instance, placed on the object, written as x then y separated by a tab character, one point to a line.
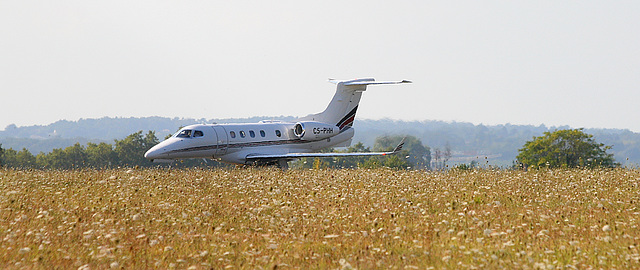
399	147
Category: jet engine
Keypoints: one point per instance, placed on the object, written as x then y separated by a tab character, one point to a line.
310	130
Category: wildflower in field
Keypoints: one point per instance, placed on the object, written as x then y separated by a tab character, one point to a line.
338	219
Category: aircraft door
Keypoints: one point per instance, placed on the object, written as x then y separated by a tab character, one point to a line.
223	140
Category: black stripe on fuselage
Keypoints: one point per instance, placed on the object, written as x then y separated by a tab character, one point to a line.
246	144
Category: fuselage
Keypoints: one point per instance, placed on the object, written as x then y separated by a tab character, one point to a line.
232	143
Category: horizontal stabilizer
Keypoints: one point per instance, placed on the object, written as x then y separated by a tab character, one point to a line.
376	82
366	82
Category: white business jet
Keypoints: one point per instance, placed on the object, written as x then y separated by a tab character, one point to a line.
274	142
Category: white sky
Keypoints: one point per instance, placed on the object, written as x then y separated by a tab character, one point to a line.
536	62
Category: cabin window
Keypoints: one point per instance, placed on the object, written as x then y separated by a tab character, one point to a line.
262	134
185	133
278	133
242	134
252	134
232	134
198	133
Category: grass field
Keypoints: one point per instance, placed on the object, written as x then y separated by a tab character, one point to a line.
338	219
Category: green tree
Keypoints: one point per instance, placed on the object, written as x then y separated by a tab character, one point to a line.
13	159
10	158
570	148
130	151
127	152
76	156
371	163
397	162
100	155
25	159
352	162
56	159
414	153
386	144
42	160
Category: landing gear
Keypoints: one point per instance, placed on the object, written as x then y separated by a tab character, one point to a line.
283	164
280	163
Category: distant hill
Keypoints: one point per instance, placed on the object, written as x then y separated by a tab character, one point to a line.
499	143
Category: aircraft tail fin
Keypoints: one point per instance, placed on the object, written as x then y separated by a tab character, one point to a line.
341	111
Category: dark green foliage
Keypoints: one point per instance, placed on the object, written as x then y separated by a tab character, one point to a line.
394	162
101	155
130	150
9	158
570	148
352	162
417	154
15	159
414	154
77	155
26	158
466	167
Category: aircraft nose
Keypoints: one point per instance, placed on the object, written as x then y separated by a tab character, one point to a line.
153	153
160	151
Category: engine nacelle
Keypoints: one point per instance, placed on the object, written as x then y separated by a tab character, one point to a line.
311	131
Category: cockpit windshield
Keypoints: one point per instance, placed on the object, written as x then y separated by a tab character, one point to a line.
185	133
188	133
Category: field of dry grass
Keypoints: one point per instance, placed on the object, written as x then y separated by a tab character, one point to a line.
338	219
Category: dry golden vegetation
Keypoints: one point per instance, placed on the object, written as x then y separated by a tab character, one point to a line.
299	219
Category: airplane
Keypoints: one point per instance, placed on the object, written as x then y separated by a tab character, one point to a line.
274	142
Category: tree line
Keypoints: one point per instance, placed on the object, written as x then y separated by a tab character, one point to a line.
464	139
129	152
559	149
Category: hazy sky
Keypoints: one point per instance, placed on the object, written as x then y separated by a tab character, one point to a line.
573	63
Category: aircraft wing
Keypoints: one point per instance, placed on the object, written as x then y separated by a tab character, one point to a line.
253	157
